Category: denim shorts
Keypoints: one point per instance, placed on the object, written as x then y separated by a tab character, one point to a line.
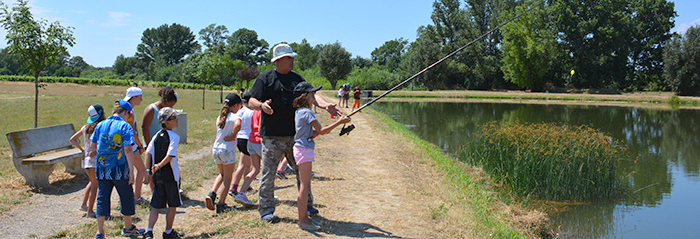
254	148
303	155
104	194
224	156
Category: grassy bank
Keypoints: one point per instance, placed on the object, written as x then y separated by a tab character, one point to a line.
472	192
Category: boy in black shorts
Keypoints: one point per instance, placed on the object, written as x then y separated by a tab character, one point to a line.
162	167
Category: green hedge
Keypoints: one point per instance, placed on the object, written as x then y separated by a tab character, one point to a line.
114	82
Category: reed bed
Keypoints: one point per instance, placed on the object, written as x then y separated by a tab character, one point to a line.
548	161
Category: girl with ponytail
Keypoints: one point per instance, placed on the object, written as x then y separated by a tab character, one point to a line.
224	150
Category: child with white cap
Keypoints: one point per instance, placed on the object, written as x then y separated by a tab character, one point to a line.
96	115
134	96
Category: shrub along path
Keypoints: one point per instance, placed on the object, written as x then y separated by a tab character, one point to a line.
372	183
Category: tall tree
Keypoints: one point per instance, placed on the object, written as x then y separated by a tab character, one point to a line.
421	54
214	37
168	43
390	54
244	45
222	68
682	63
334	63
529	48
37	43
307	56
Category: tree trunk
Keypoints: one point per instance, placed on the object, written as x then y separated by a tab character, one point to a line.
204	87
36	99
221	90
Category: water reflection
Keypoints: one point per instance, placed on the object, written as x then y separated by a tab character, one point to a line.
664	149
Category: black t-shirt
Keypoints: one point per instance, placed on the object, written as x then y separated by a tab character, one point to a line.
161	144
280	88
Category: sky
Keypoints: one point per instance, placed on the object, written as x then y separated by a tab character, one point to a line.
107	29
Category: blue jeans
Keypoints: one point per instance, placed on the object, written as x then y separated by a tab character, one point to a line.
104	193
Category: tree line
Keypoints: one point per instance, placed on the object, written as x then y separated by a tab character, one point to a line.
621	45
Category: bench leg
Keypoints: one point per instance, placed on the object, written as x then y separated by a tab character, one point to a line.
74	166
37	175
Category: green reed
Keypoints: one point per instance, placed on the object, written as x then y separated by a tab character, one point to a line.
548	161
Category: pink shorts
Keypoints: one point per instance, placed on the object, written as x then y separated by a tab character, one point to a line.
303	155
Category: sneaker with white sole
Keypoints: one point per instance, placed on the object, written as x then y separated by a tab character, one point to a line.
280	175
242	199
209	201
134	231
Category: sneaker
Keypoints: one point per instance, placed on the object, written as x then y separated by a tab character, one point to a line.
148	235
91	215
173	234
280	175
134	231
308	227
141	200
83	208
232	193
99	236
209	201
250	189
222	208
271	218
311	211
288	170
242	199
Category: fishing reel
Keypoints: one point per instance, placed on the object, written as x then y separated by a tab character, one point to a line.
346	130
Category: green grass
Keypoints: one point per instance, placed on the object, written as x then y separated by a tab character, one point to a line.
548	161
475	194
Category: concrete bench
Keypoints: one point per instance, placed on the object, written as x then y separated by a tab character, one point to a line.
35	152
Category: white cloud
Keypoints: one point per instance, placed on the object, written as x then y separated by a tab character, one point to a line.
683	27
117	19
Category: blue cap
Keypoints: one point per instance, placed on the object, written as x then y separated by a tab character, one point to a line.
122	103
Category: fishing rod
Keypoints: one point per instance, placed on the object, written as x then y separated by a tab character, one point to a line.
350	127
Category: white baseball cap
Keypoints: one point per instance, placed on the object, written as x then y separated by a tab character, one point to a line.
131	92
282	50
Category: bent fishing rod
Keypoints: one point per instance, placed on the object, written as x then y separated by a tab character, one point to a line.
347	130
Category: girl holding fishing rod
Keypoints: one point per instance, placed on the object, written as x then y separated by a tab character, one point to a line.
306	127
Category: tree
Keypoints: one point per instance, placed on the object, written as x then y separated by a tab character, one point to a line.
529	48
123	65
168	43
361	62
307	56
244	45
682	62
248	74
214	37
36	43
421	54
334	62
390	54
222	67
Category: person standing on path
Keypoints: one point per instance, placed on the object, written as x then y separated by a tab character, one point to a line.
149	123
273	94
224	151
97	115
112	141
134	96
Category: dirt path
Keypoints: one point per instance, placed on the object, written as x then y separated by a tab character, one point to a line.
371	183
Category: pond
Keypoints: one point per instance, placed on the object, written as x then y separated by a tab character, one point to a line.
663	168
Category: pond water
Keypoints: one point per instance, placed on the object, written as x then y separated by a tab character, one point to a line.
663	168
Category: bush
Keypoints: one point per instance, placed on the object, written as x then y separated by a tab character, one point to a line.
548	161
681	63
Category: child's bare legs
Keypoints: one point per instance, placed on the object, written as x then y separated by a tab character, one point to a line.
227	171
93	190
282	165
170	217
140	173
255	161
218	180
242	169
305	176
153	217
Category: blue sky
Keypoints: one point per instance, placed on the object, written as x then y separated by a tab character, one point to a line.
106	29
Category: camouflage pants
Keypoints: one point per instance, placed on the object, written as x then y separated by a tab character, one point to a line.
273	149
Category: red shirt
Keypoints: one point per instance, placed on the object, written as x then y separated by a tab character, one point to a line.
254	136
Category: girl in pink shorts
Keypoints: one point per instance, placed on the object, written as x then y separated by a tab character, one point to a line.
306	127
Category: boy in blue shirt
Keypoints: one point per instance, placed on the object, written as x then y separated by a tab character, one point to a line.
112	141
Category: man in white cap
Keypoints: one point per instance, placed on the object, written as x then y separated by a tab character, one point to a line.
273	93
